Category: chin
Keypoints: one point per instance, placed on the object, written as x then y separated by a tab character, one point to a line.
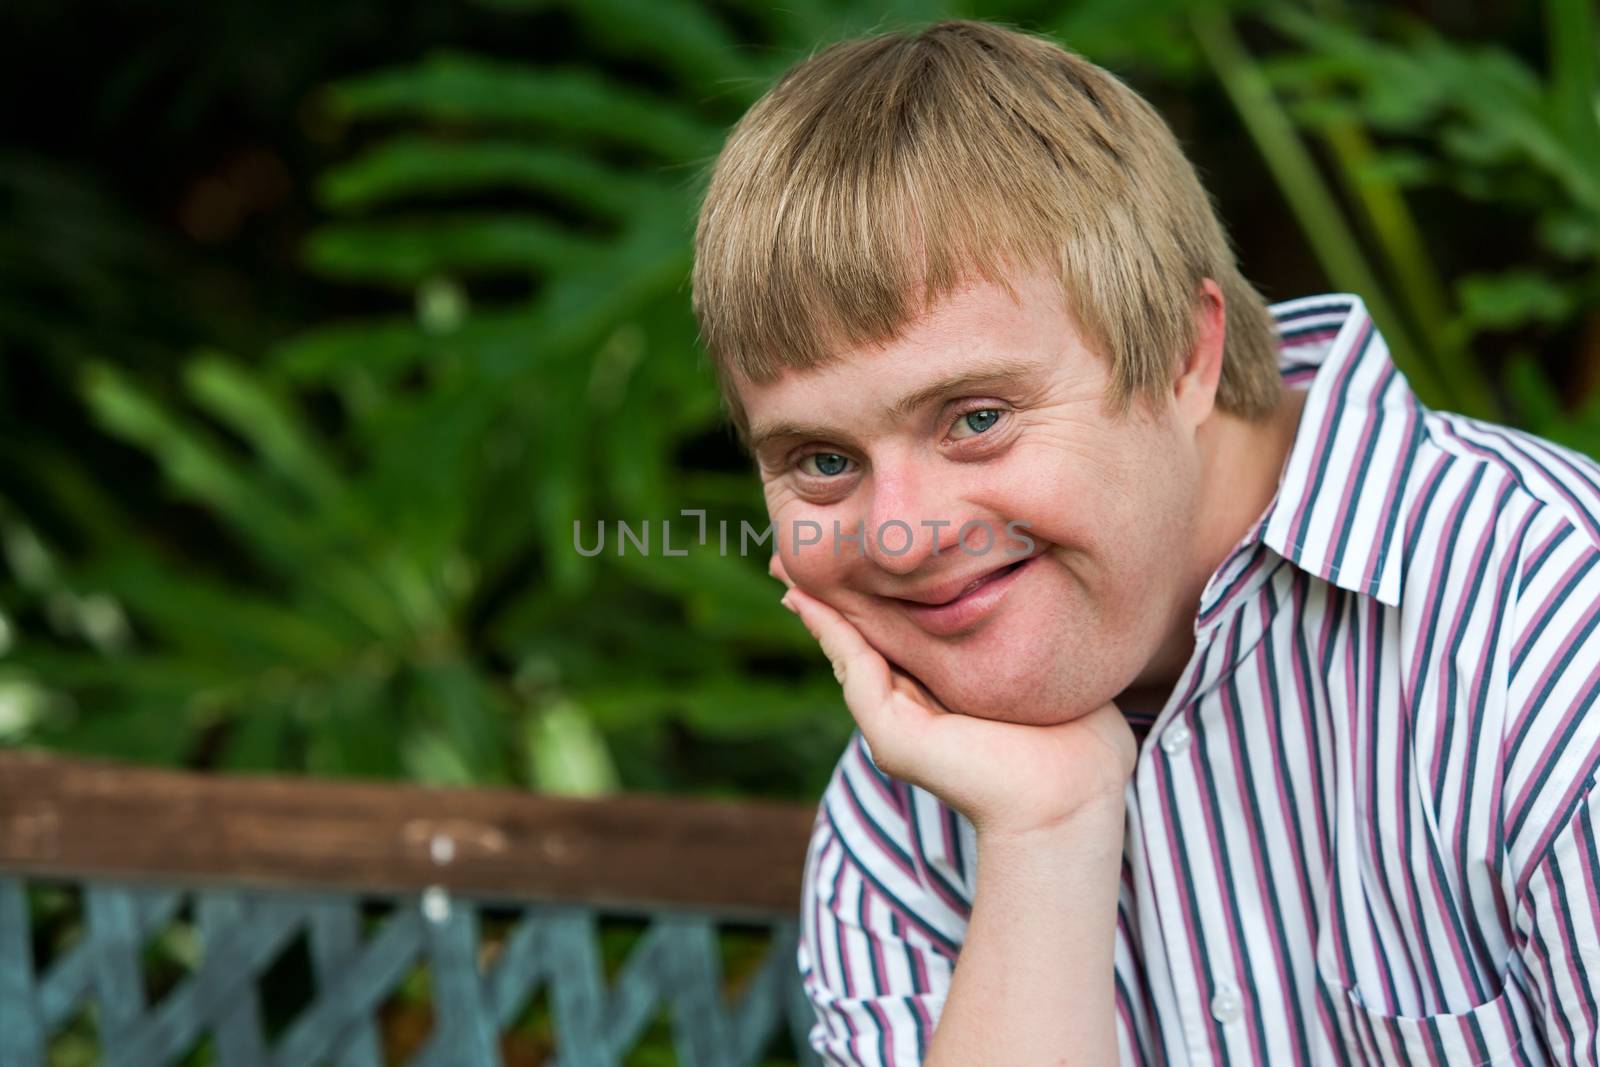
1040	710
1024	685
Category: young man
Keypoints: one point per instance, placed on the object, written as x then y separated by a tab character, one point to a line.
1270	741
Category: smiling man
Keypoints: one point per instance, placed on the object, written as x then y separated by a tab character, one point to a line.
1218	703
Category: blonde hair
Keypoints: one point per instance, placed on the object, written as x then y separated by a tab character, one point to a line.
882	173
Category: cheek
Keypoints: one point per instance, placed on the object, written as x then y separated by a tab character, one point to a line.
813	567
813	570
1064	505
1120	519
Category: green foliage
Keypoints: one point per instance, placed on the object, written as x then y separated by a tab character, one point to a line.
380	577
1415	112
395	590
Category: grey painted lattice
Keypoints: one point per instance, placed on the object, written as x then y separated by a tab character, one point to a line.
478	990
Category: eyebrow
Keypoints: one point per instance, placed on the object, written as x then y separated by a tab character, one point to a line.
1004	371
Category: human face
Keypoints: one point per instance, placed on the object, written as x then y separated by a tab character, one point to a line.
1008	422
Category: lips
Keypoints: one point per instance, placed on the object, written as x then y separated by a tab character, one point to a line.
953	590
979	581
968	604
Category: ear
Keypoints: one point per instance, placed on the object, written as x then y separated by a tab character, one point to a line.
1194	392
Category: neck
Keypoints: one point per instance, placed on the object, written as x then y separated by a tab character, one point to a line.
1241	464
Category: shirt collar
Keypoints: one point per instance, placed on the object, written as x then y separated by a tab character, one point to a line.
1336	514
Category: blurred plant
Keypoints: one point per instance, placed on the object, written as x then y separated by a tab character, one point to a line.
1420	113
385	580
394	589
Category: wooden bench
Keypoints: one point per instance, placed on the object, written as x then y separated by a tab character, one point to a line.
495	898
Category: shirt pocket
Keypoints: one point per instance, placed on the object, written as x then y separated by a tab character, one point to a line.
1478	1037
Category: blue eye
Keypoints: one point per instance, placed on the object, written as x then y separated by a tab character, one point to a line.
826	464
978	421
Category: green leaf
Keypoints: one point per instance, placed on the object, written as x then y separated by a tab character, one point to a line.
1511	299
194	613
454	87
681	36
567	755
413	167
409	252
459	711
382	347
267	421
194	463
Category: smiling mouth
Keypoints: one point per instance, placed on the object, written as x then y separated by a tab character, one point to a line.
978	600
972	586
975	584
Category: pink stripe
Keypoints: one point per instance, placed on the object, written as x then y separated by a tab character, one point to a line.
887	856
1237	582
1415	934
1329	800
880	966
1444	903
919	965
1555	532
1574	951
1368	429
877	778
1191	921
1231	723
925	874
845	981
1478	687
1286	343
876	834
819	962
1549	604
1409	695
1551	664
1584	831
1546	758
1553	458
1129	1037
1362	780
1396	480
1307	709
1325	434
1458	619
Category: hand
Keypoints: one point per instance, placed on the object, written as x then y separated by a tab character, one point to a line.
1005	777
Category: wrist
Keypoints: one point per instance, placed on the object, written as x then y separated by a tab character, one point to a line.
1095	827
1100	813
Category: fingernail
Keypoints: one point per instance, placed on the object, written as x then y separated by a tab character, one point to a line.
787	603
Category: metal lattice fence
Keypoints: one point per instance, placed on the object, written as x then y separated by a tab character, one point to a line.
484	959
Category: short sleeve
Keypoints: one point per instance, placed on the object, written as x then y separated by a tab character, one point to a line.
1559	937
1550	745
1550	759
878	941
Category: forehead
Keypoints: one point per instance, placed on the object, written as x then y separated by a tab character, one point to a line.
977	335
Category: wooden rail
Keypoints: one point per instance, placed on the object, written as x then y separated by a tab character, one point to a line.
86	819
495	895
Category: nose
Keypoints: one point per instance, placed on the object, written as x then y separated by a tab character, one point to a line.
912	517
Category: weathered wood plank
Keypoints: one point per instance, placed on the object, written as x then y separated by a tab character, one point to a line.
71	817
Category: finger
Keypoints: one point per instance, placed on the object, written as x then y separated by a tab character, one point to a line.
862	672
776	569
912	686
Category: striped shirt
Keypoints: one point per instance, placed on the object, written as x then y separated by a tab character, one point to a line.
1360	831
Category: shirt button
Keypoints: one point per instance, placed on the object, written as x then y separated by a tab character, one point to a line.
1176	740
1226	1007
